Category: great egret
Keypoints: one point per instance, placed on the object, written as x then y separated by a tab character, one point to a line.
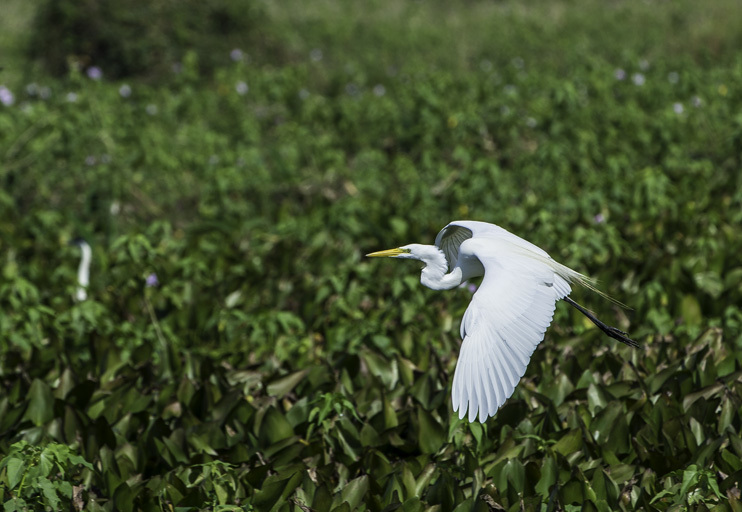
508	314
83	271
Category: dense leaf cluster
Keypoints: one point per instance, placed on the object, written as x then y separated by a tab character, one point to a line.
238	352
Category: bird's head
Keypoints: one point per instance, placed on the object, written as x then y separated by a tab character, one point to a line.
411	251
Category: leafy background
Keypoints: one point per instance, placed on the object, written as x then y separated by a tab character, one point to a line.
249	154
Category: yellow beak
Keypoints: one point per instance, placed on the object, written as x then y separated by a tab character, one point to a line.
387	254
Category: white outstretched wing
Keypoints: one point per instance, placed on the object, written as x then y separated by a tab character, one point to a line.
506	320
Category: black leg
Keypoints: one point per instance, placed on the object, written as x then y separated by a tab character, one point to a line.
614	333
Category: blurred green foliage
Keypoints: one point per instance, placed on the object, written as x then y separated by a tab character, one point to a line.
269	366
141	37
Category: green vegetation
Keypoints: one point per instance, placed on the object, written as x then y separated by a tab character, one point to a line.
238	352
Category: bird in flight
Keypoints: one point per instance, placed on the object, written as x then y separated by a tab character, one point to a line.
508	314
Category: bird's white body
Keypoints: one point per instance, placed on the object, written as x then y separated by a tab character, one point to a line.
83	271
508	314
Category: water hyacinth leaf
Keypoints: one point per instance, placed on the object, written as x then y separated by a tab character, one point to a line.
381	368
706	393
15	469
569	443
49	492
549	475
40	403
284	385
355	491
431	434
275	427
709	282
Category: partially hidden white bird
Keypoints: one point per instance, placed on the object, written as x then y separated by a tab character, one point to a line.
83	271
508	314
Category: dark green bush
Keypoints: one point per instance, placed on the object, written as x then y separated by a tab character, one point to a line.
141	37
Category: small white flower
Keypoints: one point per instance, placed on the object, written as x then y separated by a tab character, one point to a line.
151	109
644	64
379	90
638	79
115	208
696	101
236	55
241	88
303	94
316	55
6	96
125	91
45	92
619	74
531	122
673	77
71	97
94	73
678	108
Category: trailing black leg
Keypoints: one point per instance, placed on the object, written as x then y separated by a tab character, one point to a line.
614	333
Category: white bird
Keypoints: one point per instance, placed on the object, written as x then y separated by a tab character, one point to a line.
508	314
83	271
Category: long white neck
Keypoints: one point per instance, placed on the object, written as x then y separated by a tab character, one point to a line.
434	274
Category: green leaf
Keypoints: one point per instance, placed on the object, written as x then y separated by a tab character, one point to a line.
275	426
549	475
15	468
284	385
430	435
50	493
569	443
355	491
40	403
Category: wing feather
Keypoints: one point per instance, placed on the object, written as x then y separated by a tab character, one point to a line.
506	320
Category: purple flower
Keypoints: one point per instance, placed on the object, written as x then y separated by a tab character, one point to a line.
6	97
638	79
125	91
94	73
678	108
619	74
599	218
152	280
236	55
472	288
